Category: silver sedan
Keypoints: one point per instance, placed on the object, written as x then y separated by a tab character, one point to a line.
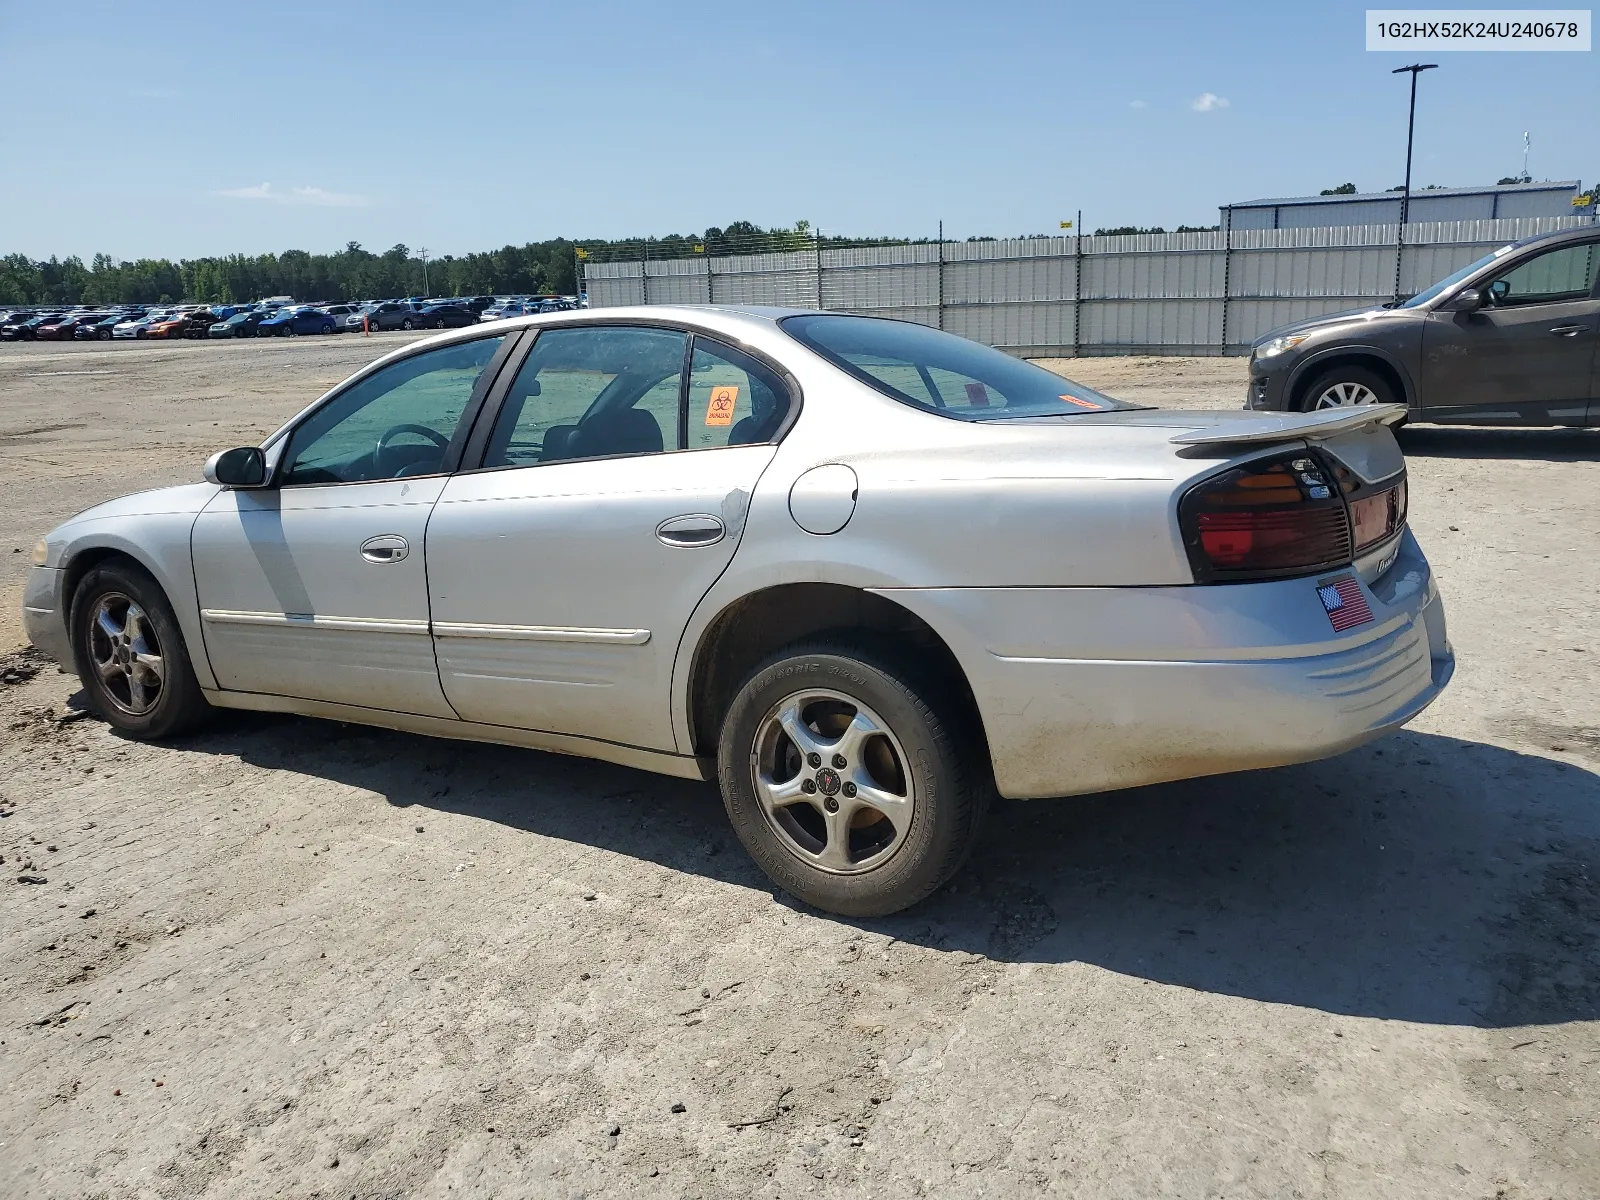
862	573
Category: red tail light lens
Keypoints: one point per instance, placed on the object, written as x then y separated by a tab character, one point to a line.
1275	517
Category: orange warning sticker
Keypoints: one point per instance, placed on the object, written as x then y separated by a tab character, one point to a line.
1079	403
720	410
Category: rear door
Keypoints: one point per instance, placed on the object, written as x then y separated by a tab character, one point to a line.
612	494
1528	355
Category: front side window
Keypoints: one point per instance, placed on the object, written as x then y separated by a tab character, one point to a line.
395	423
1455	277
942	373
591	392
1549	278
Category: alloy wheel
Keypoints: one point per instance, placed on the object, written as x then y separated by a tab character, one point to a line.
832	781
126	654
1346	394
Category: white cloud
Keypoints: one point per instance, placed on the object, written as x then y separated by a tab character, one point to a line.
296	195
1207	102
1137	104
260	192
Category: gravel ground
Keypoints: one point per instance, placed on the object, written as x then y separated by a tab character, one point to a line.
298	958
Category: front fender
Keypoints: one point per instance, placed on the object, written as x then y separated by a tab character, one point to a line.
158	542
1320	358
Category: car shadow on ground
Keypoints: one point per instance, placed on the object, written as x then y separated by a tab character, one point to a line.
1422	878
1542	445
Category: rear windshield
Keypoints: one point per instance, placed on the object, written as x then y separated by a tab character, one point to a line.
943	373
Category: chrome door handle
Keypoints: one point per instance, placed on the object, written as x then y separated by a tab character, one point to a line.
1569	330
695	529
385	548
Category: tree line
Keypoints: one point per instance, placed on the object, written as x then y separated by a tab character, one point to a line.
350	274
354	273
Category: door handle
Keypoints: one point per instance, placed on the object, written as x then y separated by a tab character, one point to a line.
385	548
1569	330
695	529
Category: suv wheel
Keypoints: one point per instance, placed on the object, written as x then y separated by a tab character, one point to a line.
406	324
1346	387
131	656
853	787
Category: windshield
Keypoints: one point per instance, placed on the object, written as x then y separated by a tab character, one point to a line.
943	373
1449	281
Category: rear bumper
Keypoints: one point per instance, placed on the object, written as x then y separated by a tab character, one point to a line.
1091	689
43	618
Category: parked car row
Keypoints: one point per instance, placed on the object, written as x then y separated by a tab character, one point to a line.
277	317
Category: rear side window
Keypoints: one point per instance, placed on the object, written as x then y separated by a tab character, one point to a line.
942	373
733	399
591	392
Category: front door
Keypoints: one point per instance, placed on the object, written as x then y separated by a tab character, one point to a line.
1527	356
612	495
316	587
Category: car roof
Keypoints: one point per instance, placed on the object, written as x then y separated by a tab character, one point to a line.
1581	234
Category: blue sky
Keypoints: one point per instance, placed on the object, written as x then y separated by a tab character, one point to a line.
152	130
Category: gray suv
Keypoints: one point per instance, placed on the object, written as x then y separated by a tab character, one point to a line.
1509	340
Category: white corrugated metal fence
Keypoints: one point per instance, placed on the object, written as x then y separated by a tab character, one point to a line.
1175	293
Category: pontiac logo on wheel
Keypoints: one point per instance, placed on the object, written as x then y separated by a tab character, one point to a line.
828	781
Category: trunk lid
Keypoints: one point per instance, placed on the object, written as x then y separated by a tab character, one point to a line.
1087	500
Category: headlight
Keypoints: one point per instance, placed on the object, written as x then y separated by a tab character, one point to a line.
41	553
1279	344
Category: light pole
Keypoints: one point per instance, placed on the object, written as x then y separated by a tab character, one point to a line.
423	250
1405	196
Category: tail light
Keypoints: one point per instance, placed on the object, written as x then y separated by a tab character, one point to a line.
1278	517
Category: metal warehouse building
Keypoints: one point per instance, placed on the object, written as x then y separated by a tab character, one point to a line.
1379	208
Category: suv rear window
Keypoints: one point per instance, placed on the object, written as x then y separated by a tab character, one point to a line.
942	373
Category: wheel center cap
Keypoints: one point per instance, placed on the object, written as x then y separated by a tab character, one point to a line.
828	781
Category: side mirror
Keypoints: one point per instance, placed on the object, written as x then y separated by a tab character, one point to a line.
1500	289
1468	301
245	467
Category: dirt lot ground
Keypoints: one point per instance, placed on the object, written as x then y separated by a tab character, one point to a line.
297	958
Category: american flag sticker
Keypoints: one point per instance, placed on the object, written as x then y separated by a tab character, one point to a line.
1345	605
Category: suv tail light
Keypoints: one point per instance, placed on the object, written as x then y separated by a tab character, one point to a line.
1278	517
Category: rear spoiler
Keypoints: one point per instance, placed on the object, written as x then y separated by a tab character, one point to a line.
1294	427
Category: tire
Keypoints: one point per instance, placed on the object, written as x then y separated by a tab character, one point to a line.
327	329
1351	385
923	752
406	324
289	330
116	673
139	335
103	335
